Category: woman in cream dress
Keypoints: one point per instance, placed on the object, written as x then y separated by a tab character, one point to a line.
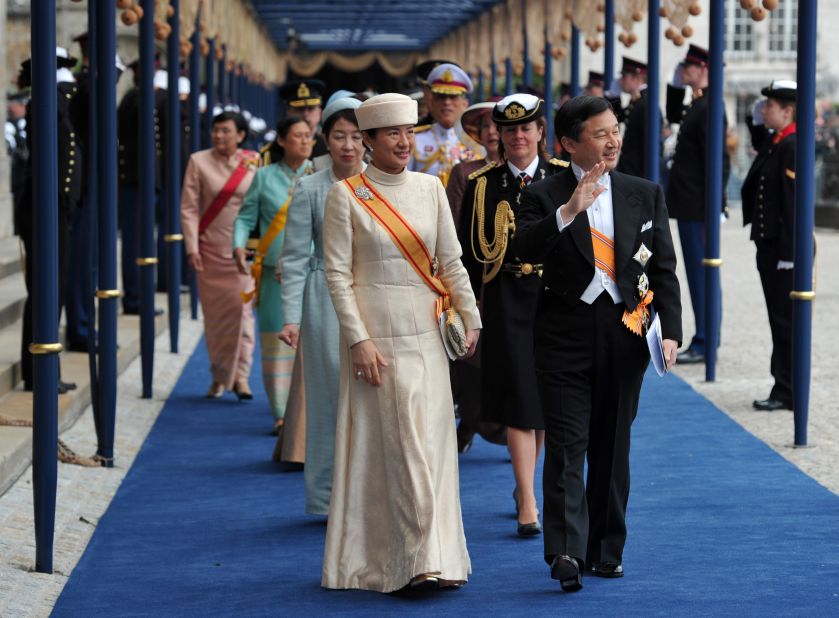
394	518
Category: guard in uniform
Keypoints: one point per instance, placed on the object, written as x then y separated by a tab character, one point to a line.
768	194
509	289
634	118
596	84
686	185
69	195
304	97
18	148
421	72
437	147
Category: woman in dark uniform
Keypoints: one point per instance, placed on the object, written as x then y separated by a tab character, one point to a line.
511	290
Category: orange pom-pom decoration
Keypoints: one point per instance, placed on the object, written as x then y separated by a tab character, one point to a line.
687	32
124	4
695	9
770	5
129	17
758	13
637	16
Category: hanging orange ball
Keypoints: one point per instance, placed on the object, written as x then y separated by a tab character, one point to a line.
139	11
633	38
664	12
637	16
770	5
601	28
678	40
758	13
747	5
687	32
170	11
695	9
129	17
670	33
124	4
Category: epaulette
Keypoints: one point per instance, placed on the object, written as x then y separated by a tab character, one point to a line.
421	128
483	170
265	155
558	162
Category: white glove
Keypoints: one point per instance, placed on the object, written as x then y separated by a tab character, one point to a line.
784	265
757	112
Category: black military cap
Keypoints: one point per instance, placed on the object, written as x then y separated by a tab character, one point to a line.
633	67
782	90
697	56
518	108
596	79
303	92
565	89
135	64
423	69
17	97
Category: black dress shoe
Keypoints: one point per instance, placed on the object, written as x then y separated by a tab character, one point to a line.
567	570
611	570
770	405
690	357
137	312
64	387
531	529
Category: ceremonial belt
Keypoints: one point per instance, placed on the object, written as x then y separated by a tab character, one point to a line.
402	234
277	226
604	259
227	191
520	270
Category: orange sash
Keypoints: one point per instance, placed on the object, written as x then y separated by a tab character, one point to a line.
402	234
604	259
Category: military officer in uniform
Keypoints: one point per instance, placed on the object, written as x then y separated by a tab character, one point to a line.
438	148
304	97
69	194
509	289
421	72
768	194
633	82
596	84
686	184
18	147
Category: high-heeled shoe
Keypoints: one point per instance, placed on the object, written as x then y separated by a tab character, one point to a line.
278	425
216	391
243	391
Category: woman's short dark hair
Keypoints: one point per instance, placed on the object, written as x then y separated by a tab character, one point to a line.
238	120
283	127
574	112
346	114
541	147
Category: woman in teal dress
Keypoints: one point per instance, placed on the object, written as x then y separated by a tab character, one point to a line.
266	204
307	307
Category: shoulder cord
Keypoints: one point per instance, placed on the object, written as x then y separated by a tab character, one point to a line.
504	223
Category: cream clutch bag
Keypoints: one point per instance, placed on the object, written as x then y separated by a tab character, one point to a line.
454	334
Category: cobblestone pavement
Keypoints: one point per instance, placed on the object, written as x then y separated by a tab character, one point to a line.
742	375
743	364
83	493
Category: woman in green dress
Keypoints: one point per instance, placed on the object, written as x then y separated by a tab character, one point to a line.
266	205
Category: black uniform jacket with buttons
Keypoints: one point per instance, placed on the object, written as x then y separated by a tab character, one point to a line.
128	136
633	152
640	216
686	182
509	392
768	191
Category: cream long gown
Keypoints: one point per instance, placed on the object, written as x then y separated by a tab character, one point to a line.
395	508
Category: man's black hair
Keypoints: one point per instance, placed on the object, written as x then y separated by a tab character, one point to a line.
574	112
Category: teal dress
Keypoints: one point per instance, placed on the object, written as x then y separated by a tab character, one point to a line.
271	189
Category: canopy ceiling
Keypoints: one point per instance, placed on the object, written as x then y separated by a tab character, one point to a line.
364	25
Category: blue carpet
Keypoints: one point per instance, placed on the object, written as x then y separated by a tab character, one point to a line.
205	524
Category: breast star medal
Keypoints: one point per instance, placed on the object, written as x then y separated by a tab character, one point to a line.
643	285
643	255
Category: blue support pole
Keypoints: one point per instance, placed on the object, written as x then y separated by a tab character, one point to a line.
549	94
173	236
92	215
45	346
575	61
609	48
508	77
481	87
653	120
194	136
527	77
106	174
803	294
148	261
713	187
210	91
222	78
493	79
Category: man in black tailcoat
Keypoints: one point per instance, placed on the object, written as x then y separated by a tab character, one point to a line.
604	240
634	118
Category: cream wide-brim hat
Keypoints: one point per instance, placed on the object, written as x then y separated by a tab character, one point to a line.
386	110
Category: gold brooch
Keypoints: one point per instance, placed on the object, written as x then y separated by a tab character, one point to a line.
514	111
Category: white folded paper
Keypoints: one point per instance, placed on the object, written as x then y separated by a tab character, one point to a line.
656	349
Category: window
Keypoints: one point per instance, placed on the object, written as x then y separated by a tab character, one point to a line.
739	38
783	28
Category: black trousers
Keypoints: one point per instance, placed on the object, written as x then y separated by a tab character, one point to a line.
589	368
777	284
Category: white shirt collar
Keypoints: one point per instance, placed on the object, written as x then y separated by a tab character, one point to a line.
530	170
605	179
